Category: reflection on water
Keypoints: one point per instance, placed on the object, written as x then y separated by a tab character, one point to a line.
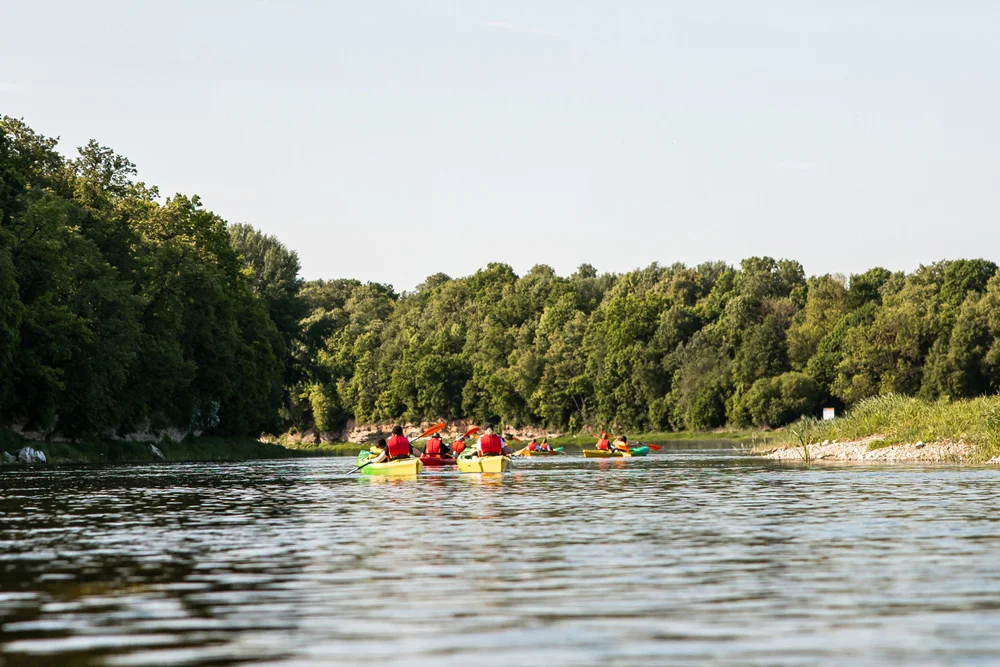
686	558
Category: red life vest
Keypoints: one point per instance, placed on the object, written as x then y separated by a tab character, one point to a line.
399	447
458	447
491	445
532	446
433	447
602	444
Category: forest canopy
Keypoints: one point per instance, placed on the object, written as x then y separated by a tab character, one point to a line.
121	310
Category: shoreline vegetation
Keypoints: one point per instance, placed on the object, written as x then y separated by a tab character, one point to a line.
126	312
896	429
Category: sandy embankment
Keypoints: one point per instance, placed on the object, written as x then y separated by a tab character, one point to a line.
857	451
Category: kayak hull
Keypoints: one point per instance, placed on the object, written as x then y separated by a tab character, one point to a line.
398	468
538	453
484	464
603	454
437	461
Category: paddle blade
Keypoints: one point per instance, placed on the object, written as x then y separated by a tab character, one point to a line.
437	428
656	447
471	431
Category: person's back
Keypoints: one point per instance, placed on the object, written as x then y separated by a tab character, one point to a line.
434	446
532	446
398	445
545	446
603	444
490	444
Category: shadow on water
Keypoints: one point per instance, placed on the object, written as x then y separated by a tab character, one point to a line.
691	557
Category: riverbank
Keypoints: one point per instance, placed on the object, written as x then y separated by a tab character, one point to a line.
896	429
207	448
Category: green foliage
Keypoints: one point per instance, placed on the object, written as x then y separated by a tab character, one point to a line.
777	400
120	310
120	313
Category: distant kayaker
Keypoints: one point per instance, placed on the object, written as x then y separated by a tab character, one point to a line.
603	443
620	444
544	446
436	447
398	446
491	444
458	446
533	445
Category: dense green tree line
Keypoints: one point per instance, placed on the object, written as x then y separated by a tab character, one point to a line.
659	348
119	312
119	309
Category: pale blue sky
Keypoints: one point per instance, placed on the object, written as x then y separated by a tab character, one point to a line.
368	135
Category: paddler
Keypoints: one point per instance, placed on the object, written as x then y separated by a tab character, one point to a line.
603	443
436	447
620	444
491	444
383	451
533	445
458	446
544	446
398	445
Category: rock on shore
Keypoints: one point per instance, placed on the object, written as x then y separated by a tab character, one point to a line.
857	451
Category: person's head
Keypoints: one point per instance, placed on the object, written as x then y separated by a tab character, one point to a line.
488	429
397	430
624	438
545	441
381	443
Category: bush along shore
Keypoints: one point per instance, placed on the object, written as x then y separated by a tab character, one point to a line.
896	429
16	450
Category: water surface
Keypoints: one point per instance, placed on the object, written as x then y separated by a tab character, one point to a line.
693	558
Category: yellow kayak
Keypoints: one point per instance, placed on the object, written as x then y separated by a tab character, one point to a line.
399	467
484	464
539	453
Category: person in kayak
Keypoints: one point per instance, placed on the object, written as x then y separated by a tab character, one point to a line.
532	446
544	446
436	447
603	443
620	444
383	452
491	444
398	447
458	446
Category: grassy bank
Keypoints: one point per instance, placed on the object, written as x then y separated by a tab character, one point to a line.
190	449
901	420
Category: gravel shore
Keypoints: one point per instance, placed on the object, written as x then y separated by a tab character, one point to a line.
859	451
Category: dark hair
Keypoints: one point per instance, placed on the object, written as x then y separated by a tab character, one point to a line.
381	443
487	427
624	438
397	430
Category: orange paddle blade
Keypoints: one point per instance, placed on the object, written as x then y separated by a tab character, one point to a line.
656	447
474	429
516	439
437	428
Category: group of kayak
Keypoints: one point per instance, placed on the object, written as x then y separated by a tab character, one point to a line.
491	453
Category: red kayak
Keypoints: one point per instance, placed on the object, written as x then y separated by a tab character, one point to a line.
437	461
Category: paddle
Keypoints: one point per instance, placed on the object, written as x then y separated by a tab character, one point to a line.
437	428
431	431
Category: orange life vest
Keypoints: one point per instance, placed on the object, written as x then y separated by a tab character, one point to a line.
603	444
433	447
491	445
458	447
532	446
399	447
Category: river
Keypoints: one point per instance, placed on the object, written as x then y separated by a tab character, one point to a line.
691	558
